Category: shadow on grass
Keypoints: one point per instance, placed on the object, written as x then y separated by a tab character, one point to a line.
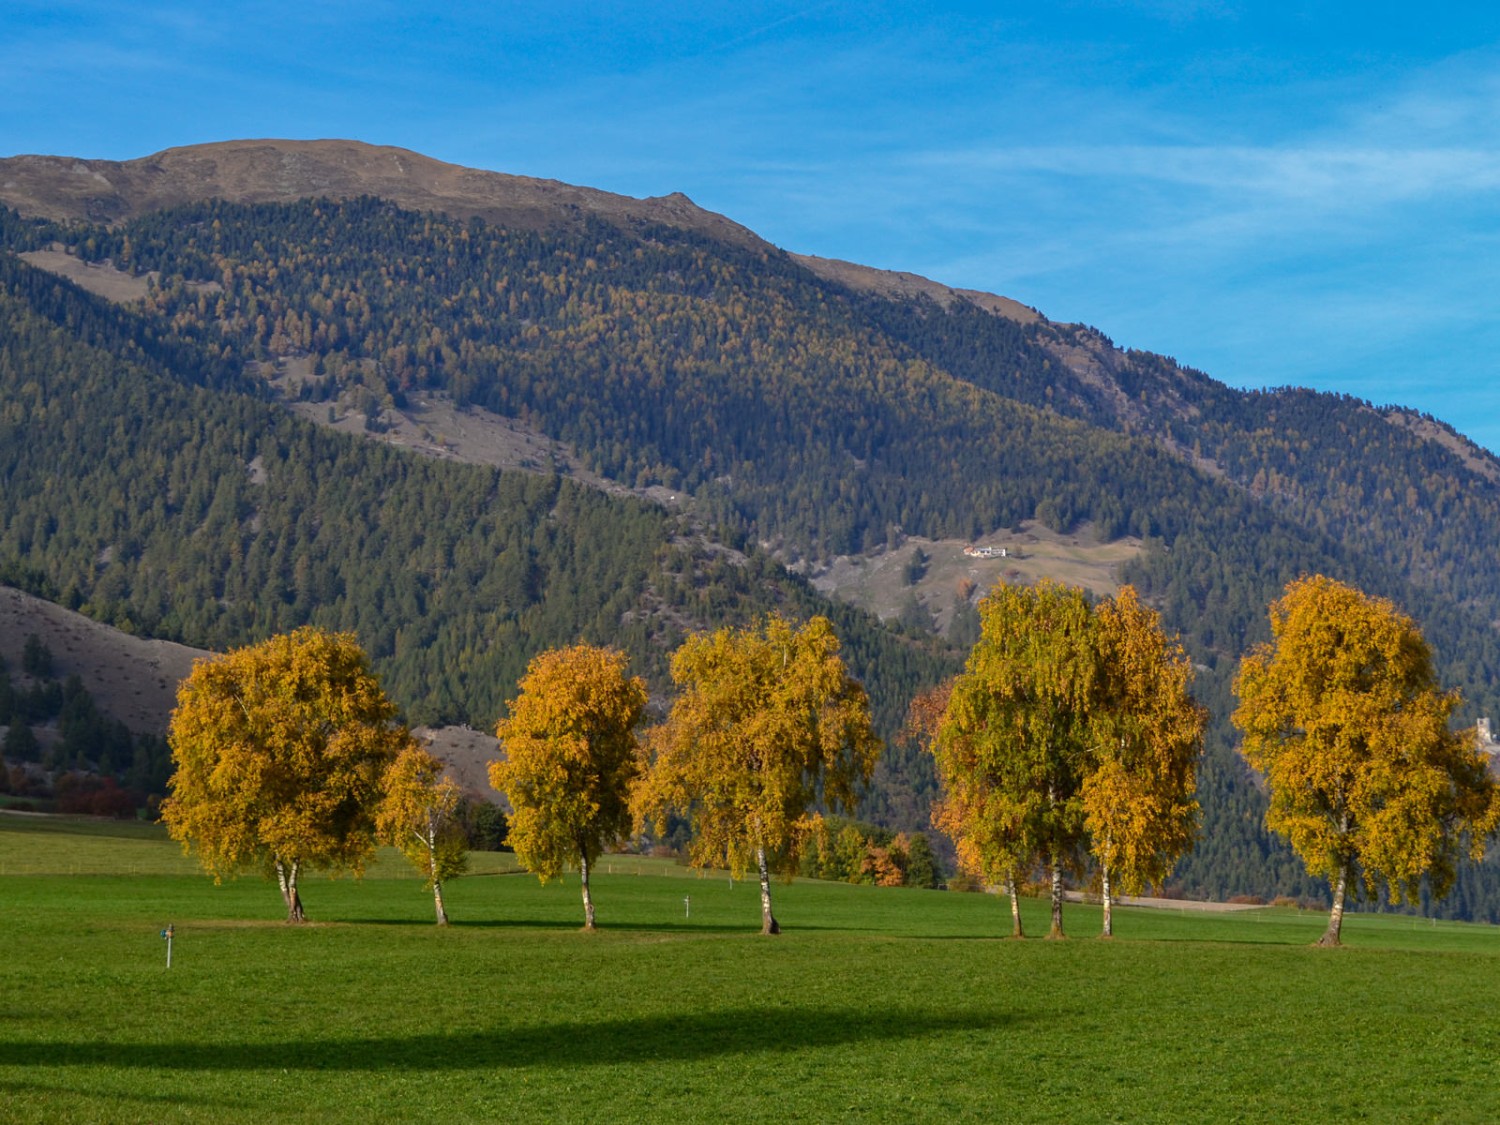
675	928
663	1038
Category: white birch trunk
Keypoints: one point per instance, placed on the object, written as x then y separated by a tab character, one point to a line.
286	877
432	872
1109	925
588	900
1057	899
767	919
1331	936
1015	907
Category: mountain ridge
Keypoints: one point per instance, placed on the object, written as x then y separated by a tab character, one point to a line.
276	170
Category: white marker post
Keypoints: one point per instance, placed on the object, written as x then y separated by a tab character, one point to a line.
167	933
687	906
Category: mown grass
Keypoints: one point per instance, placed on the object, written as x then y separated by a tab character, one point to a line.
878	1005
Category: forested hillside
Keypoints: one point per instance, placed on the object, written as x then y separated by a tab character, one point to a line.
152	482
213	518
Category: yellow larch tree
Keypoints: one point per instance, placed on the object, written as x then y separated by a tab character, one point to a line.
571	755
418	815
1342	713
1146	737
279	749
767	722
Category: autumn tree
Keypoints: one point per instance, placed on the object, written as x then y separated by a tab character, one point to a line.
278	750
1012	747
1342	712
418	814
1070	732
1146	735
973	811
570	757
767	723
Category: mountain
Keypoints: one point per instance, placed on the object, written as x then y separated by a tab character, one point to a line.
744	410
269	171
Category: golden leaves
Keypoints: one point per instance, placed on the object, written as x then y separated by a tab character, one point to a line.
1342	713
1071	725
767	720
279	749
570	756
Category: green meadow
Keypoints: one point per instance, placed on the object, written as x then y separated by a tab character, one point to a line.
874	1005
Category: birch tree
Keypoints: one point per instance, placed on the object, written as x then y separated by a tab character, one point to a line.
766	723
986	828
279	749
571	755
1013	744
418	815
1146	735
1342	712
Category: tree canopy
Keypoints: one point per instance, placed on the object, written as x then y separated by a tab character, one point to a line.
1342	712
418	814
1139	808
279	750
767	722
1070	731
570	758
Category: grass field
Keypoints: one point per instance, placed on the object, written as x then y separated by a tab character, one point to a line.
876	1005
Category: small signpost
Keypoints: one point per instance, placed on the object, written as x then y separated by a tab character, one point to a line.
167	933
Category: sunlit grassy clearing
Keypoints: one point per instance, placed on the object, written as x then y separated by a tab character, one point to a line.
876	1004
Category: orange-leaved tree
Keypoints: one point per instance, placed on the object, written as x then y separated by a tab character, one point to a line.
767	721
279	749
570	757
1146	735
418	814
1342	712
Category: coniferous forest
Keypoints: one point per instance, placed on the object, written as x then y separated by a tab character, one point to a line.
151	480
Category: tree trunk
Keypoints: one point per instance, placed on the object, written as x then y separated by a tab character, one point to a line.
286	876
767	919
588	899
1057	900
432	873
1015	907
1109	925
1336	918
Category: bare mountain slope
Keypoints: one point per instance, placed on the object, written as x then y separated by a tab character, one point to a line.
130	679
270	171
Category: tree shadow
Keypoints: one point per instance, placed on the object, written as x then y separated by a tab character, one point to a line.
676	1037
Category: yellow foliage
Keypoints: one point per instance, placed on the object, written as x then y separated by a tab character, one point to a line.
279	749
1342	713
767	721
1071	726
570	756
1147	733
417	815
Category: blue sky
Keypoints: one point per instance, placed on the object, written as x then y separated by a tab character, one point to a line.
1276	193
